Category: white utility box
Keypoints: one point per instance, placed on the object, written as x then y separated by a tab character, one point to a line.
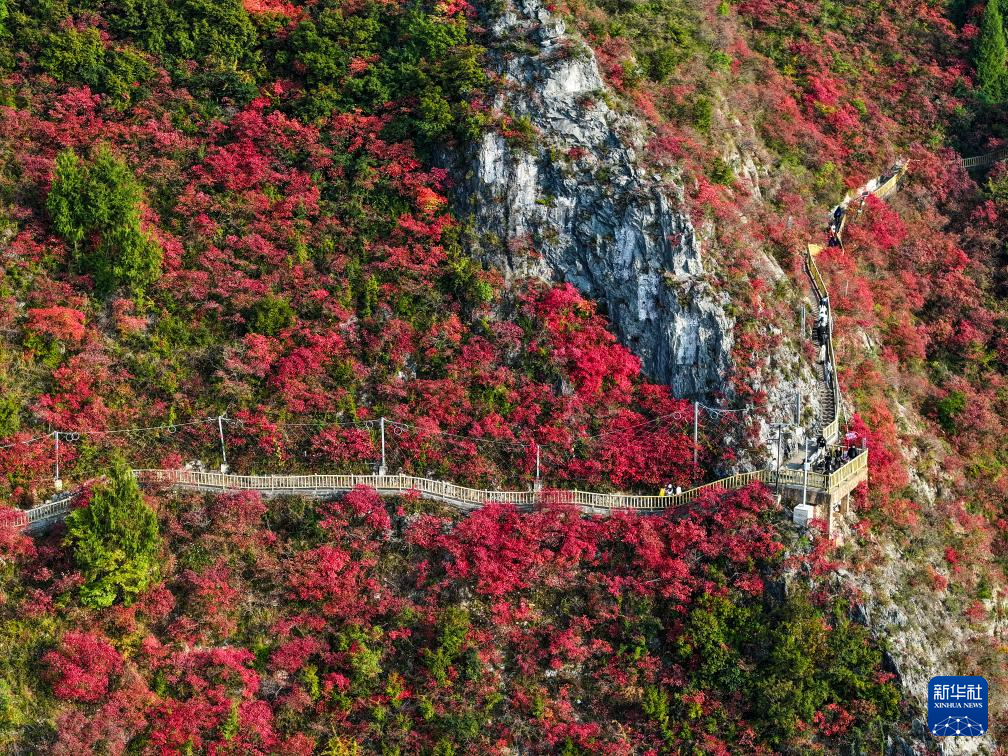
803	513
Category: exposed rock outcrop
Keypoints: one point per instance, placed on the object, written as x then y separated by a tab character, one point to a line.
922	637
578	196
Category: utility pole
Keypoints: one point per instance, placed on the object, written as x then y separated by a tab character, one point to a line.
382	470
57	483
803	308
223	451
696	425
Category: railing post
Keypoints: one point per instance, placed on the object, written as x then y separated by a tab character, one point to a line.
382	470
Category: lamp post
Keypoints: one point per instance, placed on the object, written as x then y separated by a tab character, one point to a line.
779	427
57	483
696	423
383	469
223	451
537	486
804	496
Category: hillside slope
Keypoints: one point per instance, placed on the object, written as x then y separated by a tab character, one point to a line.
529	256
773	111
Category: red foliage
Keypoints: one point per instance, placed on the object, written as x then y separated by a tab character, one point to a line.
14	542
580	341
80	668
62	323
832	721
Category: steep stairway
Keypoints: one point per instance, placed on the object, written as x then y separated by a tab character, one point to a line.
826	405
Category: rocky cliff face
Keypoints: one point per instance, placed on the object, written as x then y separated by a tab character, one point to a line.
923	638
576	204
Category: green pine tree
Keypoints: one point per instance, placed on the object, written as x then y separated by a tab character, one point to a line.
64	203
115	541
991	54
96	208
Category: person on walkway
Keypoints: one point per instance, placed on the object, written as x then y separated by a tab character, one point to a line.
835	226
829	374
822	324
822	352
661	492
668	490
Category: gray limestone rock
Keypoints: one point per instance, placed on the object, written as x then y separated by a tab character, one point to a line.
580	197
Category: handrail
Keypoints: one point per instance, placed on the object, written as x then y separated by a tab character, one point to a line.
842	475
889	186
440	489
455	494
986	159
881	190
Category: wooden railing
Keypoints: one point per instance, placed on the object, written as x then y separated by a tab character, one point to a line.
842	476
452	493
472	497
981	160
890	185
795	478
48	511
